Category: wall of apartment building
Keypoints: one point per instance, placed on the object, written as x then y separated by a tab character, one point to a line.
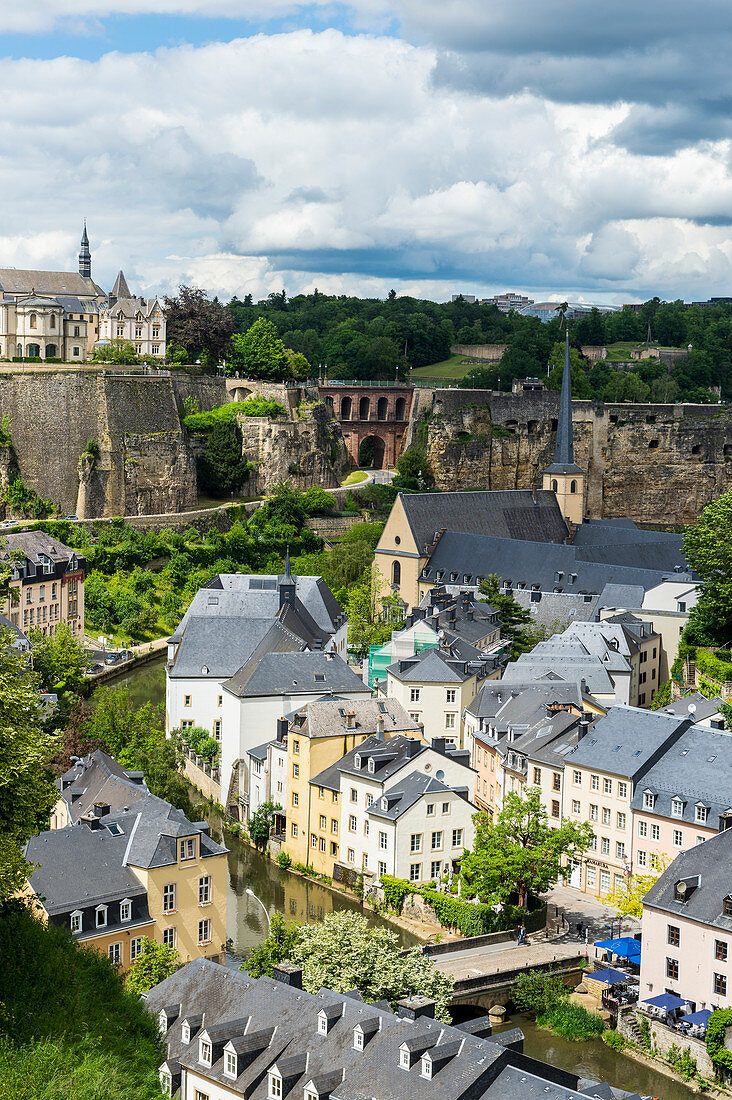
125	938
357	790
186	875
48	601
601	870
656	837
645	665
324	839
416	821
197	701
307	757
669	625
484	759
438	706
694	956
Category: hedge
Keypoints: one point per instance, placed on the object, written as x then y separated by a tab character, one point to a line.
719	1021
253	406
709	665
463	916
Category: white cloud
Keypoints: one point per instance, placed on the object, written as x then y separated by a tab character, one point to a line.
319	159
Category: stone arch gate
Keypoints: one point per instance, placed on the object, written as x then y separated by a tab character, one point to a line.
376	409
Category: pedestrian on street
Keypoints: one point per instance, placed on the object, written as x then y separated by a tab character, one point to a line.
580	927
521	933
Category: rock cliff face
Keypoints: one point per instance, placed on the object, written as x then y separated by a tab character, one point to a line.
653	463
146	459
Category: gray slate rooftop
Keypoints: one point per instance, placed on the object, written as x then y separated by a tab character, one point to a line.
712	861
295	673
407	791
628	740
697	769
510	514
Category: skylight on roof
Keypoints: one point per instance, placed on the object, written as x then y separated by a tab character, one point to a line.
637	752
319	677
114	828
711	759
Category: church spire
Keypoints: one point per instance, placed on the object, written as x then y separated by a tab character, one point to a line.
288	574
564	446
85	255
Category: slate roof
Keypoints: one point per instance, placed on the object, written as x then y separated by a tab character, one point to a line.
120	288
478	1069
628	740
509	513
294	673
438	666
33	543
81	866
17	280
467	558
705	708
407	791
698	769
389	757
326	717
229	619
99	778
556	608
712	861
566	666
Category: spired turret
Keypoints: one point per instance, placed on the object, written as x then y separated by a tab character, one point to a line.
85	255
564	477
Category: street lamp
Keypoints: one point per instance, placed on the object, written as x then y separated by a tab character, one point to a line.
253	895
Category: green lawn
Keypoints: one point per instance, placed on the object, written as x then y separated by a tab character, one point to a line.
449	368
356	477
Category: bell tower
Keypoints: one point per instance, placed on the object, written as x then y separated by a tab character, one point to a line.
85	255
563	477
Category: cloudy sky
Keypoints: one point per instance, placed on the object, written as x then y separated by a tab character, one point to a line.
556	147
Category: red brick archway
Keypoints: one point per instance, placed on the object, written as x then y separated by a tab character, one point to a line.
375	410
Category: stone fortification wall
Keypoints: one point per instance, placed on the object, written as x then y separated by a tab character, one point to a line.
660	463
486	353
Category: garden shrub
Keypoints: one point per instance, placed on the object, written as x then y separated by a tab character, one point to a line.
572	1022
719	1021
284	860
614	1039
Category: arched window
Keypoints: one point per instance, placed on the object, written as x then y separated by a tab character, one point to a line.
364	408
554	485
382	408
401	407
573	487
329	404
19	349
32	321
345	408
396	573
50	351
52	323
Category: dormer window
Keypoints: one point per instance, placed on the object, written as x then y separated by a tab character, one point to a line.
357	1038
404	1059
125	910
385	804
371	765
677	807
230	1062
188	849
357	761
701	813
728	906
185	1033
101	916
322	1024
427	1067
204	1052
162	1024
649	800
76	920
274	1086
166	1083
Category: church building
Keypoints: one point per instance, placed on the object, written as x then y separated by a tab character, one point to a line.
563	477
62	316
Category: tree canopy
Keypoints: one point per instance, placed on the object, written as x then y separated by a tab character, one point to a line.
202	326
154	963
27	790
345	952
516	621
708	549
520	853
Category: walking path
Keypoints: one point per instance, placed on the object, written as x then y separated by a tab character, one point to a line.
502	957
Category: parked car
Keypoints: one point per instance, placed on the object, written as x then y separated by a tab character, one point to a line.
9	523
112	658
70	519
96	667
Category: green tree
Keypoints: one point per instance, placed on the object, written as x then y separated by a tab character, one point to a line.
201	326
520	853
27	790
627	899
275	949
222	469
414	472
516	622
121	352
261	822
539	991
344	952
154	963
260	353
708	550
59	659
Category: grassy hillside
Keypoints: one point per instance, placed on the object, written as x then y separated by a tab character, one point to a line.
454	367
67	1026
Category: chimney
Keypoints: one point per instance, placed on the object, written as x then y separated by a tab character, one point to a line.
101	809
350	720
282	727
91	821
380	727
136	777
439	744
584	726
289	974
470	614
411	1008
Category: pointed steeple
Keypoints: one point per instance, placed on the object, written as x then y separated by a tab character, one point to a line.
288	574
286	584
564	446
120	288
85	255
563	477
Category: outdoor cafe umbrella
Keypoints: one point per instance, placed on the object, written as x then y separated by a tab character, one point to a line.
666	1001
625	948
609	976
700	1017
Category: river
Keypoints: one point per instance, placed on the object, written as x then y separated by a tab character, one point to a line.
596	1060
305	901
